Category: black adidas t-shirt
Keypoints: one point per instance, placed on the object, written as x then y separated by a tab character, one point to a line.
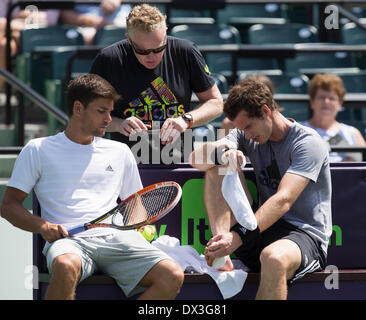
156	94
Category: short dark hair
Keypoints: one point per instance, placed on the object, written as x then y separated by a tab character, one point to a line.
250	95
262	78
86	88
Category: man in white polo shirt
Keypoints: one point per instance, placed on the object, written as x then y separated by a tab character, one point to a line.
77	176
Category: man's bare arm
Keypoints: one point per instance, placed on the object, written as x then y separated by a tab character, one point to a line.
12	209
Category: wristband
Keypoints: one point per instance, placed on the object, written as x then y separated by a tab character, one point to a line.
216	155
240	230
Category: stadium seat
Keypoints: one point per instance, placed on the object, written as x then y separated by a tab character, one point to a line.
244	23
354	83
282	33
358	11
178	16
352	34
109	35
49	36
221	82
298	13
28	68
188	13
269	10
322	62
66	63
285	82
245	65
189	20
244	16
206	34
290	83
298	111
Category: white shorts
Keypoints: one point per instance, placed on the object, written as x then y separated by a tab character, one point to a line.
125	256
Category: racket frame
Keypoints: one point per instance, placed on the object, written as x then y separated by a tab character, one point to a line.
96	222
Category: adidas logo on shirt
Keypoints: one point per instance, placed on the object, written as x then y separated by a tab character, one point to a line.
109	168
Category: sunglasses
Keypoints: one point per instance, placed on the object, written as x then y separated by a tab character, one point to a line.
148	51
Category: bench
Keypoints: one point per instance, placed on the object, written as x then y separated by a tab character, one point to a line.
188	223
352	285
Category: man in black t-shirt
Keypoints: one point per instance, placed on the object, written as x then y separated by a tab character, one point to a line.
156	74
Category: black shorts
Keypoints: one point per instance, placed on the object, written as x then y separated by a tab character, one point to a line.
313	257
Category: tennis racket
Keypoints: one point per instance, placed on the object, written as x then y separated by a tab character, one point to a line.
146	206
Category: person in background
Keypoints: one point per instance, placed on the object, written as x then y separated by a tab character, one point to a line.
29	18
326	93
92	17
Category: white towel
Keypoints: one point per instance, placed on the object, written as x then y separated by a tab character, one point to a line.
229	283
237	200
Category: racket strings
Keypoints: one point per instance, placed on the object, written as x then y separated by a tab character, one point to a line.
146	206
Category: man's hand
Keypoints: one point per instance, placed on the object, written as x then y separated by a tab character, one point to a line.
233	159
52	232
222	245
131	124
172	129
109	6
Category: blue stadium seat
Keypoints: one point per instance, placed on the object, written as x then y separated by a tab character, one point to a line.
352	34
298	111
109	35
355	83
286	82
206	34
269	10
221	82
59	35
244	16
282	33
322	62
29	68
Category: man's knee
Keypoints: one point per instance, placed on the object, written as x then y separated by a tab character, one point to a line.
169	276
273	259
280	259
67	266
174	274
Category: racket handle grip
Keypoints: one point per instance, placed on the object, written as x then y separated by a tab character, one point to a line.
75	230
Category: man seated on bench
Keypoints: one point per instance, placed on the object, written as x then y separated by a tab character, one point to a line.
291	164
77	176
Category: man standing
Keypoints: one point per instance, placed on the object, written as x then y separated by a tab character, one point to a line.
291	165
156	75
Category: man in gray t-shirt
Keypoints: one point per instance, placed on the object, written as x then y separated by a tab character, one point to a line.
291	165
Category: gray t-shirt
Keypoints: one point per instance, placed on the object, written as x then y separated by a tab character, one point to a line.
302	152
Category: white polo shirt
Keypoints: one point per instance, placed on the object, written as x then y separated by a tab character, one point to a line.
76	183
